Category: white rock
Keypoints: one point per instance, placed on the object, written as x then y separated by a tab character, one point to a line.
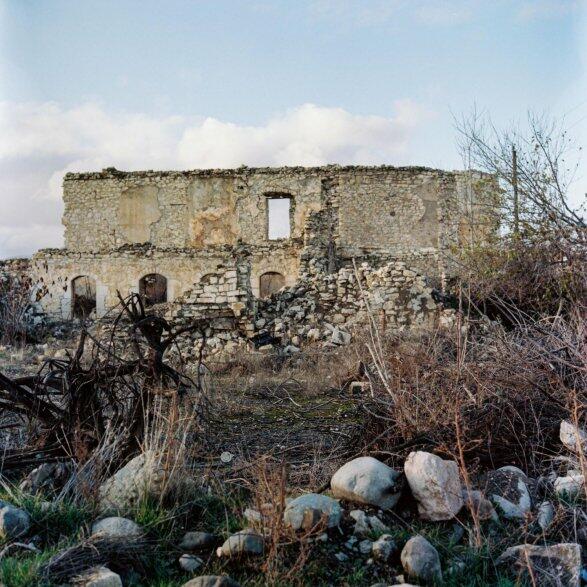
572	437
507	489
558	564
421	561
436	485
308	510
384	547
190	562
369	481
14	522
115	527
99	577
570	486
245	542
140	477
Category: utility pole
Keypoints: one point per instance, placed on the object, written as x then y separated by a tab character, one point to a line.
515	187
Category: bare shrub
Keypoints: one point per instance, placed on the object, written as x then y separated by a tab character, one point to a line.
15	299
508	390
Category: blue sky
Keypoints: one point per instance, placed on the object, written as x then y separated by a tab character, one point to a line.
146	84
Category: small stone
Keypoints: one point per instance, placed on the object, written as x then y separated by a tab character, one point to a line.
226	457
545	514
507	489
341	556
362	525
384	547
572	437
377	525
190	563
421	561
245	542
308	510
365	546
436	485
98	577
569	486
559	564
479	505
198	541
115	527
369	481
14	522
211	581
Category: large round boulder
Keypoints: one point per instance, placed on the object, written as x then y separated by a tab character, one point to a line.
369	481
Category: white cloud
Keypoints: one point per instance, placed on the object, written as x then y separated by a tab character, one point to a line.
40	142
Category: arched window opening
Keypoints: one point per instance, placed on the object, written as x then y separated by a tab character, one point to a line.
83	296
153	289
270	282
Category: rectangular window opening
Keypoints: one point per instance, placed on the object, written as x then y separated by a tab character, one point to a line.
278	225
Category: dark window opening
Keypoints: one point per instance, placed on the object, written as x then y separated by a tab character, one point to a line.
269	283
278	217
153	289
83	293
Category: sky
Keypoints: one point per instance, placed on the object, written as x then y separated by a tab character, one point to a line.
183	84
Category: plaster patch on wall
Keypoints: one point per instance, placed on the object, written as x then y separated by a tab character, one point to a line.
137	211
213	217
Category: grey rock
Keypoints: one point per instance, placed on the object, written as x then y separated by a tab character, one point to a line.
190	563
115	527
420	560
308	510
384	547
198	541
572	437
365	546
369	481
545	514
436	485
140	477
556	565
245	542
340	337
211	581
570	485
507	488
98	577
43	477
14	522
479	505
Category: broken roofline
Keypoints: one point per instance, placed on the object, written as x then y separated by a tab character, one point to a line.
112	172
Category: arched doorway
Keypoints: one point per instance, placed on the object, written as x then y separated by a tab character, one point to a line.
270	282
83	296
153	289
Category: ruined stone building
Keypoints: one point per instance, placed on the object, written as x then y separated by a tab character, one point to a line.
232	237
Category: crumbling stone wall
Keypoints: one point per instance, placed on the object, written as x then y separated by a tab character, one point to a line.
186	225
